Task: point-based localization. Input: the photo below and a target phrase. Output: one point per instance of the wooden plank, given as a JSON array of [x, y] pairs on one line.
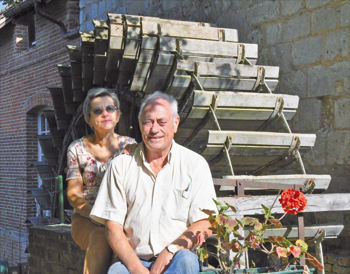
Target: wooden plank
[[57, 135], [76, 72], [315, 203], [115, 47], [321, 181], [260, 138], [216, 59], [217, 83], [291, 232], [87, 59], [207, 48], [131, 50], [234, 70], [244, 99], [175, 22], [50, 152], [160, 72], [238, 113], [197, 32]]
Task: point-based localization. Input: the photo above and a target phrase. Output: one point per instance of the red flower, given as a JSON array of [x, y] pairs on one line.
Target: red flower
[[292, 201]]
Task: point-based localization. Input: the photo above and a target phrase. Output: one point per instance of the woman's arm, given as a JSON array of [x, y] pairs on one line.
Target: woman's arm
[[76, 198]]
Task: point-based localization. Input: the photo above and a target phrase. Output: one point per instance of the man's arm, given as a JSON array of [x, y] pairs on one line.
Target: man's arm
[[187, 240], [120, 245]]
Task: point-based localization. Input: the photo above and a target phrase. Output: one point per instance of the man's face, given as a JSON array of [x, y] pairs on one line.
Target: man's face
[[157, 126]]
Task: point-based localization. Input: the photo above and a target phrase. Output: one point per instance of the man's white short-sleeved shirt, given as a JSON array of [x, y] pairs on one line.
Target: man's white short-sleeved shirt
[[154, 211]]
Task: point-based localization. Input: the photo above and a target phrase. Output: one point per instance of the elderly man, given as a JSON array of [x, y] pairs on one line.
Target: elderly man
[[150, 201]]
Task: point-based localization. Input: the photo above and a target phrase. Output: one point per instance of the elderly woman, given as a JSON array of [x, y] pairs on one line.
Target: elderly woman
[[87, 161]]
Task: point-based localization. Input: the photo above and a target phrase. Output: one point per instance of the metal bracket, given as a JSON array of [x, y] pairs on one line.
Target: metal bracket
[[241, 58], [317, 242], [277, 114], [260, 83], [309, 186], [224, 154], [281, 161], [210, 115]]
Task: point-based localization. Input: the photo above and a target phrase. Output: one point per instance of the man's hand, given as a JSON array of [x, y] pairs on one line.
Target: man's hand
[[162, 262]]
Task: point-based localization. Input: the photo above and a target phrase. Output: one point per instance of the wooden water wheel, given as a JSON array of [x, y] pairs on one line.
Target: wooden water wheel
[[228, 110]]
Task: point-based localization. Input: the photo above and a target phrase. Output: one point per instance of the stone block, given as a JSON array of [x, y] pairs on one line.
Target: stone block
[[82, 3], [305, 119], [297, 26], [291, 7], [58, 269], [110, 6], [328, 268], [311, 4], [338, 149], [272, 33], [89, 26], [222, 6], [330, 260], [255, 36], [94, 10], [345, 14], [329, 80], [342, 113], [327, 116], [336, 43], [167, 5], [90, 1], [316, 156], [307, 51], [340, 269], [102, 8], [294, 83], [344, 261], [324, 19], [263, 11]]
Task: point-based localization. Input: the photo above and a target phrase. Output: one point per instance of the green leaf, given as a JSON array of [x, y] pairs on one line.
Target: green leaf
[[208, 212], [267, 211], [257, 225], [240, 223], [275, 222], [232, 207], [202, 254], [217, 203]]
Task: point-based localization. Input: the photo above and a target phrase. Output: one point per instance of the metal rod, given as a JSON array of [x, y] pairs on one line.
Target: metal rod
[[60, 198], [301, 233]]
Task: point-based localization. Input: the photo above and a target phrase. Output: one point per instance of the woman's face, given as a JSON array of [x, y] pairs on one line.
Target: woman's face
[[107, 120]]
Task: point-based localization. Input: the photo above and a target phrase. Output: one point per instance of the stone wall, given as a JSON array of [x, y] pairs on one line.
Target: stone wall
[[52, 250]]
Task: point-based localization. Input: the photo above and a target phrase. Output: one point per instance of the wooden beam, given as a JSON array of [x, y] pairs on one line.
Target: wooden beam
[[315, 203]]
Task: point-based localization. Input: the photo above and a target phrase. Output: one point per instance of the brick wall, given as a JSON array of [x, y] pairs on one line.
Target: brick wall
[[24, 74]]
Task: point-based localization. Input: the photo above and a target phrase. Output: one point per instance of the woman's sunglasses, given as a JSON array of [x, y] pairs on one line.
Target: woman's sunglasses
[[109, 109]]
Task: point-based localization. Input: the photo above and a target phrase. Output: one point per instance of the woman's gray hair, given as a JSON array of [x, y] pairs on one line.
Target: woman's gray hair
[[98, 92], [160, 95]]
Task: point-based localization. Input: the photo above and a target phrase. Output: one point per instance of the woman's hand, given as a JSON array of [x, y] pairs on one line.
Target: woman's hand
[[130, 148], [76, 198]]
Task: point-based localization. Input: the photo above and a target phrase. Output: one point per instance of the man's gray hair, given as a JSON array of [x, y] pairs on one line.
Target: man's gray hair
[[160, 95], [98, 92]]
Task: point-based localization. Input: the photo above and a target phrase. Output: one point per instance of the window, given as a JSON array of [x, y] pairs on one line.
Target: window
[[43, 129], [25, 31]]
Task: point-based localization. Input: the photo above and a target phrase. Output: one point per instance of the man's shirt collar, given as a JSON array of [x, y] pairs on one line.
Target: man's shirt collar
[[170, 155]]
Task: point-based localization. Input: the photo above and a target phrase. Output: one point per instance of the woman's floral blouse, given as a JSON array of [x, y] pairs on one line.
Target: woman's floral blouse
[[82, 165]]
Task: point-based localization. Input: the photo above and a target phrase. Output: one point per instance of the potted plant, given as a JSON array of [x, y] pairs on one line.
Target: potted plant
[[282, 253]]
